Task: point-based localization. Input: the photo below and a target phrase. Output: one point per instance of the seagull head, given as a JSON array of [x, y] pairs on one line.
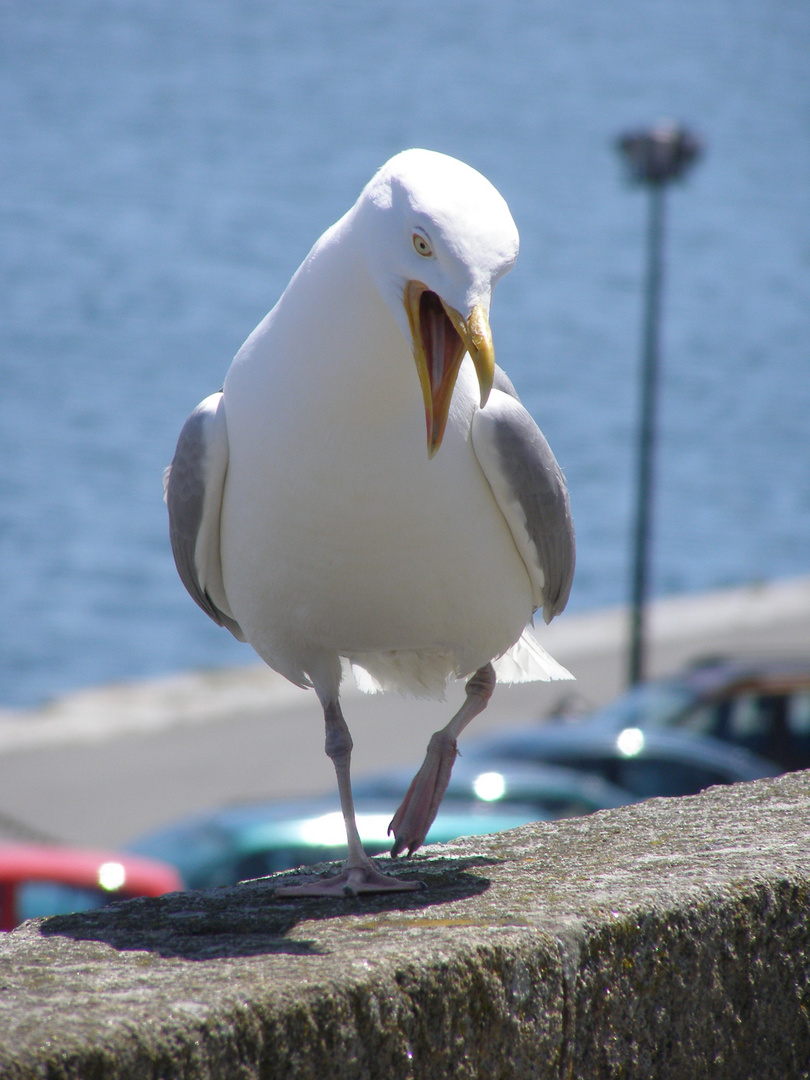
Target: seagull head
[[441, 235]]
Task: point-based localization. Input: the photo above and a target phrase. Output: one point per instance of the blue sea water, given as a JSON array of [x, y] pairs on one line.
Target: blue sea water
[[165, 167]]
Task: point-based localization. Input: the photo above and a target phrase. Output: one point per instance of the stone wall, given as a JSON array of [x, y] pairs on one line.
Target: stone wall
[[667, 939]]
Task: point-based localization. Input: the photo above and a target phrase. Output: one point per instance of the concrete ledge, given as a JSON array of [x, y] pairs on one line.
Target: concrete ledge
[[667, 939]]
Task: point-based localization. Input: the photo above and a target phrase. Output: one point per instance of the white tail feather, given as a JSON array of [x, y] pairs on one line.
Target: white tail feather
[[528, 661]]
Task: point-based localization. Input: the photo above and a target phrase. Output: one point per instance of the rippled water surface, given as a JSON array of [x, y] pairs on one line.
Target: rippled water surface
[[165, 167]]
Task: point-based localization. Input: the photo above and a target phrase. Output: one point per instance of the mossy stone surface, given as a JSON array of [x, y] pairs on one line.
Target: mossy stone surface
[[666, 939]]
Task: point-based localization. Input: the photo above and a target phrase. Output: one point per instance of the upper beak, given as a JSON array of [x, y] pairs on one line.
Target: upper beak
[[441, 336]]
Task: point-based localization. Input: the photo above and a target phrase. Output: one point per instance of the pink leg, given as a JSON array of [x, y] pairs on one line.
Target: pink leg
[[418, 810], [359, 874]]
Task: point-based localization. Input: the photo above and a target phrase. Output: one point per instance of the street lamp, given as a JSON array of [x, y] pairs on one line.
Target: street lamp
[[653, 158]]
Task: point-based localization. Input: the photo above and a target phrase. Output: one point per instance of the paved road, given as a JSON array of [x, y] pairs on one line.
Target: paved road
[[101, 766]]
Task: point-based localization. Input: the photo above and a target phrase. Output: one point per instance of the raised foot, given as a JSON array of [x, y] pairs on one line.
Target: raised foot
[[351, 882], [418, 809]]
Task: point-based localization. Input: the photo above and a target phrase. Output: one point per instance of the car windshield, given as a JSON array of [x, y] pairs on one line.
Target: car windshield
[[647, 705], [39, 899]]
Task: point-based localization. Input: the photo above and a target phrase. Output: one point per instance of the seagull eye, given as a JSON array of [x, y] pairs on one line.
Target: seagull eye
[[421, 246]]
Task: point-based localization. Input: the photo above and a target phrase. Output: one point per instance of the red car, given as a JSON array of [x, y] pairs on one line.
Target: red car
[[38, 880]]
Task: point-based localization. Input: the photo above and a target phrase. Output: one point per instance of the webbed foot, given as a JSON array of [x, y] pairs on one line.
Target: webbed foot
[[351, 881]]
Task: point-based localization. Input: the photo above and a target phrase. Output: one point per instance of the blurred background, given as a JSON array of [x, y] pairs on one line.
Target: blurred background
[[164, 168]]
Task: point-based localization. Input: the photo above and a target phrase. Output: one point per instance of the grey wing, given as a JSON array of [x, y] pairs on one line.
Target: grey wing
[[530, 490], [193, 486]]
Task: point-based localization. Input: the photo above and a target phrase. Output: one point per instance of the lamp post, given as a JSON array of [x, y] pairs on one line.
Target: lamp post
[[654, 158]]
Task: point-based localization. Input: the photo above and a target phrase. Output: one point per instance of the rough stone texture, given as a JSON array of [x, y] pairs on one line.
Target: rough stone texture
[[668, 939]]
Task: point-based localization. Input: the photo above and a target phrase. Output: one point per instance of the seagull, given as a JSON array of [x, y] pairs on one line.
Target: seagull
[[306, 517]]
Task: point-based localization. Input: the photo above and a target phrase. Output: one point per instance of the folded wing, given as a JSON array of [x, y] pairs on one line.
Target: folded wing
[[193, 486], [530, 490]]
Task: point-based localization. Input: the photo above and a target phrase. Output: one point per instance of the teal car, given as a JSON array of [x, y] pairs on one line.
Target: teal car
[[250, 840]]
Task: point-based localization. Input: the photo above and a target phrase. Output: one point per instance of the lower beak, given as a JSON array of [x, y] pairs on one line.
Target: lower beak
[[441, 336]]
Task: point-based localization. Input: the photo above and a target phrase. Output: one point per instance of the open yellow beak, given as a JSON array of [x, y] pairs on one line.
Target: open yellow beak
[[441, 336]]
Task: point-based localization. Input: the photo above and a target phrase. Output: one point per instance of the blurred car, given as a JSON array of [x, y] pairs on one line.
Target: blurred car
[[37, 880], [551, 791], [251, 840], [761, 706], [642, 761]]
